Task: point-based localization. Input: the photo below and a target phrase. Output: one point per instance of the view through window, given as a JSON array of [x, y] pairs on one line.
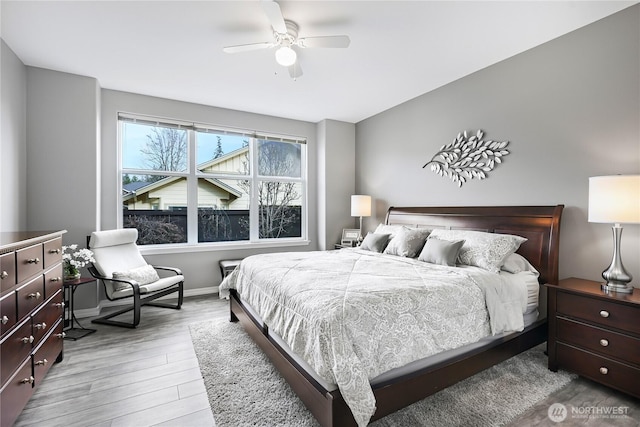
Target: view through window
[[186, 183]]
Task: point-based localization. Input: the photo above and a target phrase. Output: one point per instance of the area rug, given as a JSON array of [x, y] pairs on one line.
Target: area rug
[[245, 389]]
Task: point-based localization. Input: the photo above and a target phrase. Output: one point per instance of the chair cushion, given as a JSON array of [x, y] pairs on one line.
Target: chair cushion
[[143, 275], [163, 283]]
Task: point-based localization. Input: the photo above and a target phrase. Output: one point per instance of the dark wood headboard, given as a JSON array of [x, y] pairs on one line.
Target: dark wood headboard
[[539, 224]]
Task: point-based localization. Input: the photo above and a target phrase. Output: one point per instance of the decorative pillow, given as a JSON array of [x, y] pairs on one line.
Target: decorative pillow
[[484, 250], [375, 242], [443, 252], [516, 263], [143, 275], [407, 242]]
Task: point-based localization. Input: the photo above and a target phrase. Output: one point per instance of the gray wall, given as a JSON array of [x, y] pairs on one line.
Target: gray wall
[[336, 180], [13, 141], [62, 148], [570, 109]]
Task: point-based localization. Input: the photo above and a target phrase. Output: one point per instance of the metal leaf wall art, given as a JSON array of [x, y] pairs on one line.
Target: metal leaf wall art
[[468, 157]]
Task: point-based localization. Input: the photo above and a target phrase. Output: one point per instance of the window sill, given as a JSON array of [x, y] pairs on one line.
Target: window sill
[[214, 247]]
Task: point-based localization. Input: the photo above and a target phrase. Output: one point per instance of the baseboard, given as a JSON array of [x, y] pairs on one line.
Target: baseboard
[[95, 311]]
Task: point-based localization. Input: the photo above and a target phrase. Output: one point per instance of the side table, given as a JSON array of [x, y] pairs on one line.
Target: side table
[[70, 331]]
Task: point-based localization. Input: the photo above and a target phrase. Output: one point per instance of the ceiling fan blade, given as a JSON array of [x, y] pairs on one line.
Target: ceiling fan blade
[[295, 71], [247, 47], [324, 41], [273, 12]]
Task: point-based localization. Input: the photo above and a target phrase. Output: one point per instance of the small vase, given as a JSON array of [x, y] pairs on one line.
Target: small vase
[[69, 276]]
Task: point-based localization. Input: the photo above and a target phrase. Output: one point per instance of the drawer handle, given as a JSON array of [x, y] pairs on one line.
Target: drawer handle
[[59, 305], [54, 251], [604, 342], [36, 295], [29, 380], [55, 279], [62, 335], [604, 371], [40, 325], [4, 275], [604, 313], [5, 320], [33, 261], [28, 340], [42, 362]]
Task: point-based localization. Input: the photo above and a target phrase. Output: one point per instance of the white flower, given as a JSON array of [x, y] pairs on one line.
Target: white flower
[[77, 259]]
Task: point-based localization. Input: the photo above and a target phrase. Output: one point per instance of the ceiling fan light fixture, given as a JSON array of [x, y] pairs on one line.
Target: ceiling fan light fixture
[[286, 56]]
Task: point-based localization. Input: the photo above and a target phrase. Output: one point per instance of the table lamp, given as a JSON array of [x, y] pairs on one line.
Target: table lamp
[[615, 199], [360, 206]]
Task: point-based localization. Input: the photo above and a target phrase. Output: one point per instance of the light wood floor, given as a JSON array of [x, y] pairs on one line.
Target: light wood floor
[[149, 376]]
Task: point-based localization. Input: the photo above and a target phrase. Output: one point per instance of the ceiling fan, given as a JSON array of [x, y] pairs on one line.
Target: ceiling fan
[[285, 35]]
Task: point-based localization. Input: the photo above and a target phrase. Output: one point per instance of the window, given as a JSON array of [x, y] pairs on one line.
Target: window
[[188, 183]]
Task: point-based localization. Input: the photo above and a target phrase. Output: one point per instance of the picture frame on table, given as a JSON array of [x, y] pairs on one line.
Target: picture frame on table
[[350, 237]]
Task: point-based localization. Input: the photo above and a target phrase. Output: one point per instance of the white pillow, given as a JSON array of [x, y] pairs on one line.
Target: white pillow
[[392, 230], [516, 263], [407, 242], [485, 250], [143, 275]]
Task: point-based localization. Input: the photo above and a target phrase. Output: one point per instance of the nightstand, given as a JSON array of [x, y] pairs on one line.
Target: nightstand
[[595, 334]]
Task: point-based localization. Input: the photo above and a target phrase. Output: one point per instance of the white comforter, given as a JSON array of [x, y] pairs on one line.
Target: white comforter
[[354, 314]]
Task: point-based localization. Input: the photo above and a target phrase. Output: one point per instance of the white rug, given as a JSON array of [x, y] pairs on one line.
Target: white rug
[[245, 389]]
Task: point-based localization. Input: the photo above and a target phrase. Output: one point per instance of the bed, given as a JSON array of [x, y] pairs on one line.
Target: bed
[[402, 385]]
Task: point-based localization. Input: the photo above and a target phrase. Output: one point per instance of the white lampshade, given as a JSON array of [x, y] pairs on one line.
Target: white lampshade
[[360, 205], [286, 56], [614, 199]]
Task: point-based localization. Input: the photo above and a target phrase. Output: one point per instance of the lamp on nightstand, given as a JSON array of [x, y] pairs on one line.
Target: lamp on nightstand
[[615, 199], [360, 206]]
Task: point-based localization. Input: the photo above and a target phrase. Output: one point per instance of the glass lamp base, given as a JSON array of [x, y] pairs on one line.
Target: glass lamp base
[[614, 288]]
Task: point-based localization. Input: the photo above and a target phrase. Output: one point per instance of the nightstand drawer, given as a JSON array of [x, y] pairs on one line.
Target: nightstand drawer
[[605, 313], [606, 371], [612, 344]]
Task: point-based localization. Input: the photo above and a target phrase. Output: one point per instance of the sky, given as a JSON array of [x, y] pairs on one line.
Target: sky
[[134, 139]]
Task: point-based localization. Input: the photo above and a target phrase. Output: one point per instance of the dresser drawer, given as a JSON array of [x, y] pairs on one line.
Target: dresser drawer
[[52, 252], [47, 352], [607, 343], [16, 393], [52, 281], [601, 369], [605, 313], [8, 314], [14, 348], [7, 271], [46, 316], [30, 295], [29, 262]]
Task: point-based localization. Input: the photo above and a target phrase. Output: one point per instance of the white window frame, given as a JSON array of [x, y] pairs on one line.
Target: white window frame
[[192, 174]]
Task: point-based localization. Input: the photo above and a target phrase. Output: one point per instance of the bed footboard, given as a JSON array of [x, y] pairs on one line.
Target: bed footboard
[[329, 408]]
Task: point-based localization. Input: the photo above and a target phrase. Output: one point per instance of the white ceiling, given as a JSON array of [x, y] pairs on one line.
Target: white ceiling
[[173, 49]]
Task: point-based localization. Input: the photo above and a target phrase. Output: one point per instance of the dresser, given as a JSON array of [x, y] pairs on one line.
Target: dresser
[[31, 311], [595, 334]]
